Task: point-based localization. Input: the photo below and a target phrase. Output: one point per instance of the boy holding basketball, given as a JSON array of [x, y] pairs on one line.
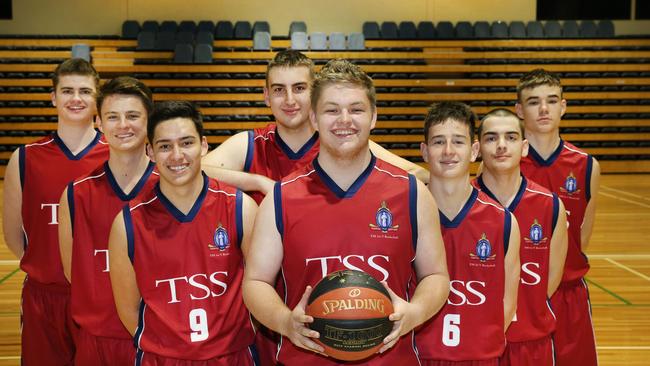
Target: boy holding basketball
[[345, 210], [574, 176], [482, 245], [542, 226], [36, 175]]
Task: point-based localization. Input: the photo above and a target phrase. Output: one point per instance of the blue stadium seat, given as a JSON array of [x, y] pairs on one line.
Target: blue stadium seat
[[150, 26], [389, 30], [205, 26], [482, 29], [517, 29], [204, 36], [146, 41], [165, 40], [243, 30], [223, 30], [371, 30], [606, 29], [356, 41], [407, 30], [130, 29], [183, 53], [261, 26], [588, 29], [445, 30], [426, 30], [318, 41], [299, 41], [464, 30], [297, 26], [534, 29], [570, 29], [261, 41], [81, 50], [337, 41], [552, 29], [499, 29], [185, 37], [187, 26], [168, 26]]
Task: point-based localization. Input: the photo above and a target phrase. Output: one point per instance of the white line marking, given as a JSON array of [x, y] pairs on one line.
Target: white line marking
[[9, 262], [623, 199], [628, 269], [619, 256], [625, 193], [624, 347], [9, 357]]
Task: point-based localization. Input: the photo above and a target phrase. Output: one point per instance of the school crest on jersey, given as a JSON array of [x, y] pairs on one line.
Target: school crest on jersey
[[570, 185], [220, 240], [384, 219], [535, 234], [483, 250]]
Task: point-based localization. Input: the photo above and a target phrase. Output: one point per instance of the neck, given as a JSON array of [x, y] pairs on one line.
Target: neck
[[295, 138], [544, 143], [344, 171], [183, 197], [504, 185], [75, 137], [128, 167], [450, 194]]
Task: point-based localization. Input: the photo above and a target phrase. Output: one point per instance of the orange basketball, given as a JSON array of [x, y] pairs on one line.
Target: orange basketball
[[350, 311]]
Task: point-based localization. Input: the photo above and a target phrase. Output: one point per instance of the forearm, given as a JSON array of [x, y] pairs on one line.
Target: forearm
[[129, 317], [245, 181], [430, 295], [15, 245], [509, 309], [266, 306]]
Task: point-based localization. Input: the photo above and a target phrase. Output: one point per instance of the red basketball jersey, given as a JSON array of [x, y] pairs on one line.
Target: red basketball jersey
[[469, 327], [270, 156], [567, 173], [371, 227], [94, 200], [46, 167], [189, 269], [536, 210]]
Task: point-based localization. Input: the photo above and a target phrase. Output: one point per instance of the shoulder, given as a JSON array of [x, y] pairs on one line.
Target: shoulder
[[390, 171], [264, 133], [42, 143], [485, 202], [221, 188], [533, 188], [94, 176], [300, 175]]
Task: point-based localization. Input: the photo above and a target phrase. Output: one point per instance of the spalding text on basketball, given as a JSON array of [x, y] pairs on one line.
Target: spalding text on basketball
[[332, 306]]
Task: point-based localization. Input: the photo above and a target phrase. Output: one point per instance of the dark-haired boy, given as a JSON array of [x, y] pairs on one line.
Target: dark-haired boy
[[177, 253]]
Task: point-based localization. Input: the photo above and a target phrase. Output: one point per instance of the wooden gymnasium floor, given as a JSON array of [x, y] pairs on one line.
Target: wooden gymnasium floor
[[619, 278]]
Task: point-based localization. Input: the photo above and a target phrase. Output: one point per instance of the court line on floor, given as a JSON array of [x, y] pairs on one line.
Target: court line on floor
[[610, 292], [625, 193], [3, 279], [620, 265], [619, 256], [624, 347], [623, 199]]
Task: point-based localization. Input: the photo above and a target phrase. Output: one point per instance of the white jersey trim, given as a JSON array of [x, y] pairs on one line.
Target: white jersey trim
[[491, 204], [40, 144], [87, 178], [538, 192], [143, 203], [391, 174], [263, 136], [220, 191], [576, 151], [298, 177]]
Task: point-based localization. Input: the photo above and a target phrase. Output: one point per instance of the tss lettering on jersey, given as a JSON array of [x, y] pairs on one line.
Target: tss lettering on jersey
[[54, 208], [466, 293], [105, 252], [353, 262], [201, 285], [529, 276]]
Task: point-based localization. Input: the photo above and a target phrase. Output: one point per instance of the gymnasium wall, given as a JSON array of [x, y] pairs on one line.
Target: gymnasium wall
[[106, 17]]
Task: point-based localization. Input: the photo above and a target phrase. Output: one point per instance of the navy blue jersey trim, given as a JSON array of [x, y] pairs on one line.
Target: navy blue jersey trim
[[83, 152], [507, 224], [556, 211], [128, 227], [277, 201], [249, 151], [413, 210], [134, 192], [140, 328], [463, 212], [239, 216], [301, 152], [551, 159], [590, 166], [139, 354], [70, 196], [196, 207], [358, 183], [21, 165]]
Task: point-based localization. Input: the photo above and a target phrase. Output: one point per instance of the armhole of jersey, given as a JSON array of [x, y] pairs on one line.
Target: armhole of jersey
[[21, 165], [249, 151], [277, 201], [413, 210], [128, 227], [556, 211], [590, 166], [239, 216], [70, 195], [507, 224]]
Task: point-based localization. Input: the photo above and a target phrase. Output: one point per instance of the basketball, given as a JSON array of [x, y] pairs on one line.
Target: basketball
[[350, 311]]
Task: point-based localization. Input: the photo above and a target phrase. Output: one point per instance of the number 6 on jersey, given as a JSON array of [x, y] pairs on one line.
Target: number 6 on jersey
[[451, 330]]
